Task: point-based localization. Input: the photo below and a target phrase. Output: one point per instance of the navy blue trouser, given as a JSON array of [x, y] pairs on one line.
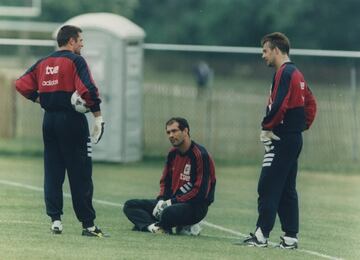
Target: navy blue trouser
[[67, 147], [139, 212], [277, 186]]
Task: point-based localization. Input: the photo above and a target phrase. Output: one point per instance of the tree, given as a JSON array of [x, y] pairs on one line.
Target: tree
[[324, 24], [60, 11], [327, 24]]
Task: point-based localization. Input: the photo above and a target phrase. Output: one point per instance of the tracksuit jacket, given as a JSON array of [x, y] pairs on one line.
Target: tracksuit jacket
[[55, 77], [291, 105], [188, 177]]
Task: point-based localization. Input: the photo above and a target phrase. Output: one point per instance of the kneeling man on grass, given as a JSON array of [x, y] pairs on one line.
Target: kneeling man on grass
[[187, 187]]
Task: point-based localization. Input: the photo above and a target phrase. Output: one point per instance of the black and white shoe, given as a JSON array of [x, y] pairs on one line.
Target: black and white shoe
[[56, 227], [288, 242], [93, 232], [252, 240]]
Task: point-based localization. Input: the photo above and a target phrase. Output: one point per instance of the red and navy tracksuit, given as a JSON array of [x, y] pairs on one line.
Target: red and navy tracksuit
[[67, 145], [291, 110], [188, 180]]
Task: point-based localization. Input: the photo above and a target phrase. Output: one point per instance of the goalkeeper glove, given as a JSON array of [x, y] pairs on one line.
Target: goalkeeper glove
[[98, 129], [156, 210], [159, 208], [266, 138]]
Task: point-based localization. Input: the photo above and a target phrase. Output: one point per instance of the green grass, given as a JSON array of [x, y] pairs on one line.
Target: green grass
[[329, 216]]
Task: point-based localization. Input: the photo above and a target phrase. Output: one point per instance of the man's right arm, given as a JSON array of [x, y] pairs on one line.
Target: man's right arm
[[27, 86], [166, 178], [280, 101]]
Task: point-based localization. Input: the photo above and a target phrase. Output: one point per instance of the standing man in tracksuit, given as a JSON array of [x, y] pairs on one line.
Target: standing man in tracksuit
[[291, 109], [67, 145], [187, 187]]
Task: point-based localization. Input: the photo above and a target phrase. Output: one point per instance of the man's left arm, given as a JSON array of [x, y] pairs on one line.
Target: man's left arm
[[85, 86], [310, 107], [26, 85], [98, 128]]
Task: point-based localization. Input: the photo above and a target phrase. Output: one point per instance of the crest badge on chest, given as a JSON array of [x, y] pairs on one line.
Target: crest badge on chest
[[185, 176]]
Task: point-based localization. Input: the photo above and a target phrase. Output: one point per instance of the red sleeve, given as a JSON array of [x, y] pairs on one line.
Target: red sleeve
[[278, 101], [27, 85], [310, 107], [166, 177], [85, 85]]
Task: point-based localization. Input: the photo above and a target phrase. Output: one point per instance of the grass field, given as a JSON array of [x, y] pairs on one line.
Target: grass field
[[329, 203]]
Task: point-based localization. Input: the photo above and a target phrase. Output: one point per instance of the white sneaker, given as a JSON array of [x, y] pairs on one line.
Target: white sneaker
[[56, 227], [191, 230], [288, 242], [153, 228], [260, 236]]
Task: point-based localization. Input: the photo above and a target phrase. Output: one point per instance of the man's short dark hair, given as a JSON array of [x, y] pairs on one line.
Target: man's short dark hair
[[277, 39], [66, 33], [183, 123]]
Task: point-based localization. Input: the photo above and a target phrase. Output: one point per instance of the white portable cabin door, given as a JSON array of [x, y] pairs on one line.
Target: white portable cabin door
[[103, 53], [134, 113]]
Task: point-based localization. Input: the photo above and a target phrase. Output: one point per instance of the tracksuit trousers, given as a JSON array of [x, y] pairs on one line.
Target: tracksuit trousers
[[67, 148], [139, 212], [277, 186]]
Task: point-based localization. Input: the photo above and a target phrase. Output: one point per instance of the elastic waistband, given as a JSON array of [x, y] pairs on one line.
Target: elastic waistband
[[60, 111]]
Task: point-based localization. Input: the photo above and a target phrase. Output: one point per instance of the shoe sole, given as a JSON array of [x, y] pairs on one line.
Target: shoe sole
[[241, 243], [95, 235], [92, 235], [288, 247], [255, 245]]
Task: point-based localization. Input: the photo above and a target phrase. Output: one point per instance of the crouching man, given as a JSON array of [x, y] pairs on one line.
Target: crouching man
[[187, 187]]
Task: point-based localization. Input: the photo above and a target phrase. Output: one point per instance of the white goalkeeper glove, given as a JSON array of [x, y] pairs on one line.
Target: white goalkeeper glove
[[98, 129], [159, 208], [156, 210], [266, 138]]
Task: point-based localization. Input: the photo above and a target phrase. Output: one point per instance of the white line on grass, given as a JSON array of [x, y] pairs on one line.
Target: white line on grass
[[20, 222], [104, 202]]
